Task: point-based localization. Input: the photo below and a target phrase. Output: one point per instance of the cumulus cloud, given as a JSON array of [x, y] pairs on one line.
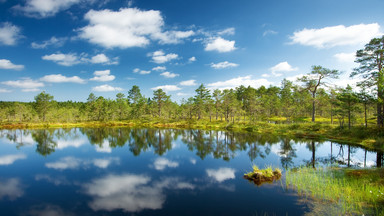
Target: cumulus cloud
[[169, 74], [58, 78], [345, 57], [63, 59], [336, 35], [192, 59], [219, 44], [11, 188], [235, 82], [159, 68], [44, 8], [27, 84], [103, 76], [280, 67], [162, 163], [53, 41], [128, 27], [160, 57], [105, 162], [10, 159], [9, 34], [222, 65], [142, 72], [106, 88], [188, 83], [7, 64], [62, 144], [167, 88], [73, 59], [221, 174]]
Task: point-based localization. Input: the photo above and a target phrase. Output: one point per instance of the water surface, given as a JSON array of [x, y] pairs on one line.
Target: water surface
[[134, 171]]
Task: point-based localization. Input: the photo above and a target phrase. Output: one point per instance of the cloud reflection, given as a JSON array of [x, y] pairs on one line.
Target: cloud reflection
[[130, 192], [75, 163], [104, 148], [221, 174], [162, 163], [11, 188], [10, 159]]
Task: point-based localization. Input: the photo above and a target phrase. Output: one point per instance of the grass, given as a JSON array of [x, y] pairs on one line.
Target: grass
[[352, 191], [259, 176]]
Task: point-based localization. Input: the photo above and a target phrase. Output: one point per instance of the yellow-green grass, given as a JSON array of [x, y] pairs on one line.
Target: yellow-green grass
[[352, 191], [260, 176]]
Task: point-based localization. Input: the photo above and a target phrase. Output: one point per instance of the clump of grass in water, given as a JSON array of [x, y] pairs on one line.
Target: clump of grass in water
[[259, 176], [353, 191]]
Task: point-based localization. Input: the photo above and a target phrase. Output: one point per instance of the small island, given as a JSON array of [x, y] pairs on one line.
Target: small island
[[260, 176]]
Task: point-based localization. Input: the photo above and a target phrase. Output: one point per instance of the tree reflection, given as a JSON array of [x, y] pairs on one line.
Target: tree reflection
[[45, 141]]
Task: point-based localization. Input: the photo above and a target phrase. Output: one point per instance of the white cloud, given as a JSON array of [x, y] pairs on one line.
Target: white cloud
[[269, 32], [162, 163], [336, 35], [7, 64], [10, 159], [128, 27], [103, 59], [9, 34], [103, 76], [235, 82], [11, 188], [192, 59], [4, 90], [104, 147], [56, 181], [169, 74], [228, 31], [27, 85], [58, 78], [222, 65], [159, 68], [221, 45], [193, 161], [221, 174], [65, 163], [167, 88], [182, 94], [345, 57], [142, 72], [280, 67], [172, 37], [159, 57], [63, 59], [45, 8], [106, 88], [53, 41], [130, 192], [188, 83], [73, 59]]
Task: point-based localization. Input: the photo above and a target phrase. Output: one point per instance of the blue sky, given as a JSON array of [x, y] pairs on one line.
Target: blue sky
[[70, 48]]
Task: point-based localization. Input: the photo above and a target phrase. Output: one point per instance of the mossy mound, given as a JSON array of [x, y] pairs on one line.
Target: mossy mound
[[267, 175]]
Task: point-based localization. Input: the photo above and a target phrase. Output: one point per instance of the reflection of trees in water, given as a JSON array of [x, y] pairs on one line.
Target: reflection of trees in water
[[45, 141], [219, 144]]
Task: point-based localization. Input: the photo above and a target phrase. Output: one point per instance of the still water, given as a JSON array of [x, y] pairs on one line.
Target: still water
[[135, 171]]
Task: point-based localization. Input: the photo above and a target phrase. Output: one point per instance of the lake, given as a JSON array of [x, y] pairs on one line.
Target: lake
[[138, 171]]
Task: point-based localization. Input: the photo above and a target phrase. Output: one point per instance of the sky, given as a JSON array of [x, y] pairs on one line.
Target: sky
[[70, 48]]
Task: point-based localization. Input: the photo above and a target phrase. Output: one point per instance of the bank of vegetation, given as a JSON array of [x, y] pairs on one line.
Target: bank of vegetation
[[333, 112]]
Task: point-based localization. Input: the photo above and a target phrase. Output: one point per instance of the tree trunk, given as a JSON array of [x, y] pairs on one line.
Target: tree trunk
[[313, 107]]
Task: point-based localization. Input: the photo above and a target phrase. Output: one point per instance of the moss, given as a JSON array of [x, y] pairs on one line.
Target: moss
[[259, 177]]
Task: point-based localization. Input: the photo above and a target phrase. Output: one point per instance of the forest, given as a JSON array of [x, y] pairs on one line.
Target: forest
[[312, 99]]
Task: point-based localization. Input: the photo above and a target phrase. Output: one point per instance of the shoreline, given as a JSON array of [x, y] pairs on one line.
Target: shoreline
[[369, 138]]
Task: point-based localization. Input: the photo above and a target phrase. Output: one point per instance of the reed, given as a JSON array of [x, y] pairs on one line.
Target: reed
[[352, 191]]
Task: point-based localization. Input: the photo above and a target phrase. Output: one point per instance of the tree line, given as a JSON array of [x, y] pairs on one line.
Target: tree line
[[313, 98]]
